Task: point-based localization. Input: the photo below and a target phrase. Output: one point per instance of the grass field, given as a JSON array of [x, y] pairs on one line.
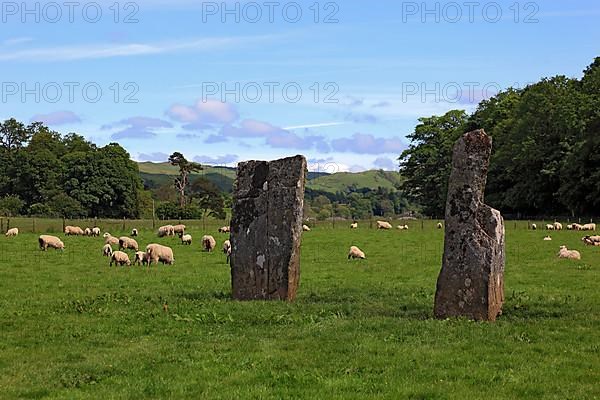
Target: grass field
[[73, 328]]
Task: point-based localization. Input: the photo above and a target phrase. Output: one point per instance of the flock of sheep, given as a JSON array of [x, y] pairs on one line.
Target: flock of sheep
[[155, 253]]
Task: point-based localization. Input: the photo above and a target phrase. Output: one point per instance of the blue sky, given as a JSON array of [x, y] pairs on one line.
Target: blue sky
[[357, 76]]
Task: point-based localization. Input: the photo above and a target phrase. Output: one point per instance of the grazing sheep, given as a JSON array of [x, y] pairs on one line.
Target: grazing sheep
[[224, 229], [440, 226], [141, 258], [46, 241], [227, 250], [577, 227], [547, 238], [178, 229], [87, 232], [569, 254], [534, 227], [107, 250], [157, 252], [185, 239], [120, 258], [591, 240], [128, 243], [73, 230], [208, 243], [95, 231], [383, 225], [549, 227], [355, 252], [570, 227], [403, 227], [305, 228], [167, 230], [12, 232], [134, 232], [111, 239], [354, 225], [558, 226], [228, 256], [588, 227]]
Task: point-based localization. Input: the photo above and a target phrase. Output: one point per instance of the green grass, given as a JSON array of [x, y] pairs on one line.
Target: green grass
[[73, 328], [341, 181]]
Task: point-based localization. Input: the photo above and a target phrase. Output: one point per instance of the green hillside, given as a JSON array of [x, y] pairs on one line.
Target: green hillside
[[158, 174]]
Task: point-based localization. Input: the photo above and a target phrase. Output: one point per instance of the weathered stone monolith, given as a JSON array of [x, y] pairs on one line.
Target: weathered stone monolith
[[266, 228], [471, 282]]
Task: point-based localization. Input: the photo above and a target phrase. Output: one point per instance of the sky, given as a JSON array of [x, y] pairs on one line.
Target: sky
[[342, 83]]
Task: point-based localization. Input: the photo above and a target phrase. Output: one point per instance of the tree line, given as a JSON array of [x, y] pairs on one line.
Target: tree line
[[546, 149]]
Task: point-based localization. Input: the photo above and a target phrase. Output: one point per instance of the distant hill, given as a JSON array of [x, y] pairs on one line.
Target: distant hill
[[157, 174]]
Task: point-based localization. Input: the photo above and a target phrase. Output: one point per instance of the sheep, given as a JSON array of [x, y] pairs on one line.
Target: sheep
[[120, 258], [208, 243], [440, 226], [12, 232], [403, 227], [178, 229], [228, 256], [185, 239], [156, 252], [558, 226], [570, 227], [224, 229], [46, 241], [355, 252], [354, 225], [547, 238], [549, 227], [588, 227], [134, 232], [383, 225], [577, 227], [95, 231], [87, 232], [167, 230], [141, 258], [591, 240], [305, 228], [107, 250], [227, 250], [128, 243], [534, 227], [73, 230], [569, 254], [109, 239]]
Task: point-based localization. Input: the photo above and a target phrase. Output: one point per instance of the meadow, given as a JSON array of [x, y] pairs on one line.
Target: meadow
[[71, 327]]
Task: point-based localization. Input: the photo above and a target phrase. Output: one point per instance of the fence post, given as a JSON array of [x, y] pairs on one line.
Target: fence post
[[64, 224], [33, 225], [1, 224], [123, 224], [7, 223]]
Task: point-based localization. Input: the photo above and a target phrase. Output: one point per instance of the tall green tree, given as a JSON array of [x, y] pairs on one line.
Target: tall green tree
[[185, 169]]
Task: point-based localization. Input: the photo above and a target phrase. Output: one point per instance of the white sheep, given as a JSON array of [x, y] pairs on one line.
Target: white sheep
[[591, 240], [107, 250], [548, 238], [402, 227], [577, 227], [227, 249], [128, 243], [440, 226], [384, 225], [569, 254], [185, 239], [534, 227], [224, 229], [134, 232], [550, 227], [141, 258], [120, 258], [12, 232], [46, 241], [589, 227], [305, 228], [95, 231], [558, 226], [354, 225], [208, 243], [157, 252], [111, 239], [87, 232], [179, 229], [167, 230], [355, 252], [73, 230]]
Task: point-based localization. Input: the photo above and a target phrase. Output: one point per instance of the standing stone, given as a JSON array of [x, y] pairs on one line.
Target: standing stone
[[471, 283], [266, 228]]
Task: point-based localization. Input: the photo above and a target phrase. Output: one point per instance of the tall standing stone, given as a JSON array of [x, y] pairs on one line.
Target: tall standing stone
[[471, 282], [266, 228]]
